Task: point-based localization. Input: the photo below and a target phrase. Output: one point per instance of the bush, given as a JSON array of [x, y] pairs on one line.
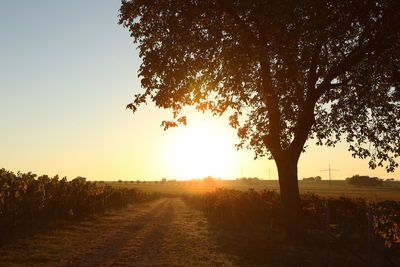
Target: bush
[[348, 216], [316, 178], [25, 198], [358, 180]]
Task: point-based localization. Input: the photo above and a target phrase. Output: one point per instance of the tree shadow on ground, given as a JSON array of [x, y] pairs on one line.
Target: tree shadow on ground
[[253, 245], [11, 234]]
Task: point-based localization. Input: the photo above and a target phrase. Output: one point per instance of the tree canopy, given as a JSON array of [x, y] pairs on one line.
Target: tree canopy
[[286, 71]]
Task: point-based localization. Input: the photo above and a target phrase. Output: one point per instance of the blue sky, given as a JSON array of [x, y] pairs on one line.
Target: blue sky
[[67, 72]]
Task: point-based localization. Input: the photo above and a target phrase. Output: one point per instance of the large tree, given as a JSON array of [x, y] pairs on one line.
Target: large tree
[[286, 71]]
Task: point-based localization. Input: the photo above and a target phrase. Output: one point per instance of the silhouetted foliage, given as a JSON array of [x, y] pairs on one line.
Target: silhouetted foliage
[[25, 198], [249, 180], [210, 180], [316, 178], [348, 216], [364, 181], [285, 72]]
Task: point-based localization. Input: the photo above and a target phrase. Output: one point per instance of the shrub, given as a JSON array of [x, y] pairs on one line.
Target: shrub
[[348, 216], [24, 198], [358, 180]]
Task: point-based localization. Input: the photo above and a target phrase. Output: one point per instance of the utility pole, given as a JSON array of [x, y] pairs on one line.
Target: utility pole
[[269, 173], [329, 170]]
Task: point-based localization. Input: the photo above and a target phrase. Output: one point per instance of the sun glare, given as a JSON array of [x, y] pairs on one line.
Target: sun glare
[[199, 151]]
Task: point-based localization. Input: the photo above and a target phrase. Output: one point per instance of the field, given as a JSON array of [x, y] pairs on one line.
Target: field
[[173, 230], [335, 188]]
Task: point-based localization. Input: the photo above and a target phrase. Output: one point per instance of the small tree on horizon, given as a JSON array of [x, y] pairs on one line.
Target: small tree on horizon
[[285, 72], [364, 180]]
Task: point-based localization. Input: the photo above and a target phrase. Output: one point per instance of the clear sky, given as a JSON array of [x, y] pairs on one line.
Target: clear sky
[[67, 71]]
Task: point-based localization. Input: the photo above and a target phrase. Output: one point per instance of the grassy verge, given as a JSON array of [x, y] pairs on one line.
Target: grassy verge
[[65, 242]]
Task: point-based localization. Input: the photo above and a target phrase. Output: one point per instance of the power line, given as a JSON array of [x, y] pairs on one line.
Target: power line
[[269, 173], [330, 173]]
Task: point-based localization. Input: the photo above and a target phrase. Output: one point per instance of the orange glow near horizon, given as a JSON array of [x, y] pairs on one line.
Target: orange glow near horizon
[[200, 150]]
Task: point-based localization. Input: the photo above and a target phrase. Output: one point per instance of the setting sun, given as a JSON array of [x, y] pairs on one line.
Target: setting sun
[[200, 149]]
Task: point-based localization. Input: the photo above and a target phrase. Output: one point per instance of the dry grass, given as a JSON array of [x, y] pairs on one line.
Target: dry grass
[[166, 232], [65, 242]]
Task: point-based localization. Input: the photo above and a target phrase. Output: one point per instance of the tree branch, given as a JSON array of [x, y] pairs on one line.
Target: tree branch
[[312, 76], [272, 141], [375, 45]]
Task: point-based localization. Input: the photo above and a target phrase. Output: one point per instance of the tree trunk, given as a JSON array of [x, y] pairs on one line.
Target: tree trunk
[[290, 197]]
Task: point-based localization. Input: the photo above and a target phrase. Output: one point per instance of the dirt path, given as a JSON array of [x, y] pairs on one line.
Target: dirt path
[[165, 232]]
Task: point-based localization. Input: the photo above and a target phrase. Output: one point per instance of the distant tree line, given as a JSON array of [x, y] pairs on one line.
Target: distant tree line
[[211, 179], [249, 180], [312, 178], [364, 180]]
